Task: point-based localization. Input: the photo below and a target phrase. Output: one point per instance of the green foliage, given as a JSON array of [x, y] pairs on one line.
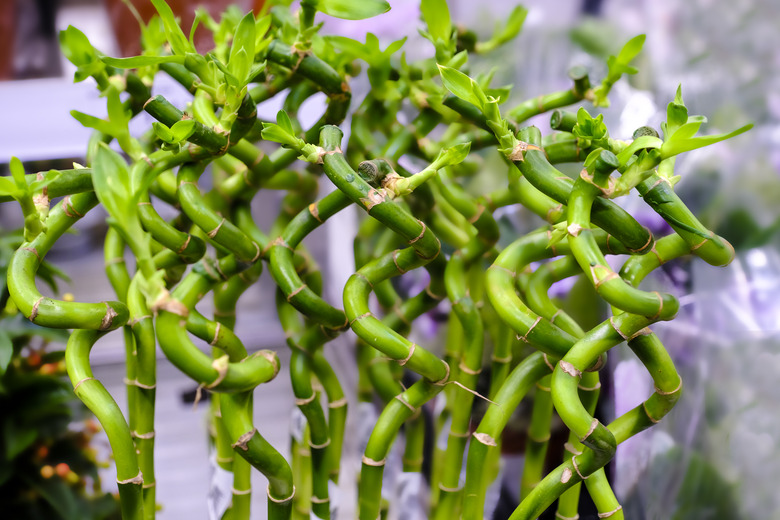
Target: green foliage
[[616, 67], [353, 9], [507, 32], [79, 51]]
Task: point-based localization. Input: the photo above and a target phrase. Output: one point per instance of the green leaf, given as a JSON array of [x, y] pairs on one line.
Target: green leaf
[[437, 17], [242, 53], [140, 61], [101, 125], [117, 113], [500, 94], [18, 437], [50, 177], [112, 183], [676, 114], [179, 42], [451, 156], [283, 120], [76, 47], [183, 129], [675, 146], [462, 86], [646, 141], [17, 171], [631, 49], [353, 9], [8, 187], [163, 132], [6, 351], [514, 25]]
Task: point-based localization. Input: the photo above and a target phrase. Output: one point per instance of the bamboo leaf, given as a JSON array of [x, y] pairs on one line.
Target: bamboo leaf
[[242, 52], [8, 187], [101, 125], [179, 42], [112, 183], [182, 130], [135, 62], [674, 146], [353, 9], [76, 46], [17, 171], [283, 120], [437, 17], [646, 141], [462, 86], [163, 132]]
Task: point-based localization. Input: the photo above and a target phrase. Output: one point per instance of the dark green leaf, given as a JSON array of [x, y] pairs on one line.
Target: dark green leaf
[[18, 437]]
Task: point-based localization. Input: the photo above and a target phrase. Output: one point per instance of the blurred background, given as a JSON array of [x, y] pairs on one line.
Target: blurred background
[[716, 455]]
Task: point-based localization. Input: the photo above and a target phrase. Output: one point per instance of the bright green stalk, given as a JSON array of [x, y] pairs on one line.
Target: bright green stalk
[[541, 104], [99, 401], [606, 282], [49, 312], [530, 160]]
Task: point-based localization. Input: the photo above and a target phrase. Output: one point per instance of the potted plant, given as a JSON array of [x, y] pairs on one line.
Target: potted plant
[[428, 186]]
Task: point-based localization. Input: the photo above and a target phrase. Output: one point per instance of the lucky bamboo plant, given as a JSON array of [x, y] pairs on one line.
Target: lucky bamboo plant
[[430, 221]]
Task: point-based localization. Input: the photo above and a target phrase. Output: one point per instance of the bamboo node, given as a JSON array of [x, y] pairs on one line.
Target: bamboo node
[[244, 440], [371, 462], [34, 311], [137, 480], [292, 294], [398, 267], [315, 212], [70, 212], [649, 242], [185, 244], [575, 517], [592, 428], [524, 338], [465, 369], [577, 468], [617, 329], [405, 360], [450, 489], [306, 400], [149, 485], [221, 366], [319, 446], [647, 412], [338, 403], [443, 380], [484, 438], [317, 500], [77, 385], [543, 388], [216, 334], [146, 436], [505, 359], [35, 252], [108, 318], [241, 491], [590, 388], [422, 232], [279, 500], [670, 392], [373, 197], [406, 403], [213, 232], [547, 362], [574, 229], [571, 449], [610, 513], [570, 369], [518, 153], [566, 475]]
